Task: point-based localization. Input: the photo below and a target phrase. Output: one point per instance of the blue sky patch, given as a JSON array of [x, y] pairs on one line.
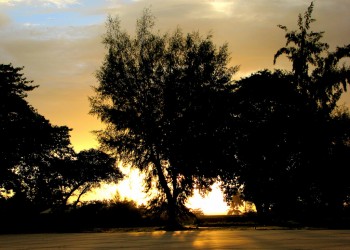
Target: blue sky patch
[[48, 16]]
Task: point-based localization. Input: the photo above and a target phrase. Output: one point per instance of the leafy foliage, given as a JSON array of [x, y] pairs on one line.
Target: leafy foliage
[[27, 138], [269, 114], [87, 170], [163, 98], [293, 137], [316, 71], [37, 162]]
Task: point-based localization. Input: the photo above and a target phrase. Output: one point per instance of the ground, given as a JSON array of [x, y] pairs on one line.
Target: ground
[[214, 238]]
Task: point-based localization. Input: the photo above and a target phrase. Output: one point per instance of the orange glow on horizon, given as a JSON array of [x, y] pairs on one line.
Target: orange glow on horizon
[[131, 188], [211, 204]]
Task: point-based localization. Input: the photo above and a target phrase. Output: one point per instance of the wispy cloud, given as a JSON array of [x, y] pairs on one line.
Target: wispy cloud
[[57, 3], [4, 20], [222, 6], [62, 53]]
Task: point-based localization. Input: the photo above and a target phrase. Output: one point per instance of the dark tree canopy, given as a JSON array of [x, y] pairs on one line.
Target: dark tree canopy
[[316, 70], [25, 134], [163, 98], [319, 76], [88, 169], [268, 107], [292, 136], [37, 162], [276, 138]]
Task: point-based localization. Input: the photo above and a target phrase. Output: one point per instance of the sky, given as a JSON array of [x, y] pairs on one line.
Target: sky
[[59, 42]]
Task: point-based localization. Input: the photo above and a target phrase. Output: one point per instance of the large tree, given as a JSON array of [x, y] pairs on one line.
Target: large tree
[[25, 134], [293, 137], [319, 76], [37, 162], [29, 143], [268, 107], [163, 99], [317, 73]]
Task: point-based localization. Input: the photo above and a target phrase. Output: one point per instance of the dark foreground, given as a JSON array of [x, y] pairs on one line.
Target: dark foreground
[[191, 239]]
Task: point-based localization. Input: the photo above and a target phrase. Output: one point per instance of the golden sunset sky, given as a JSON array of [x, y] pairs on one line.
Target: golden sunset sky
[[59, 42]]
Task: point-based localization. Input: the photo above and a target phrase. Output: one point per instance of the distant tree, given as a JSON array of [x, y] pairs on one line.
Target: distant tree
[[236, 204], [89, 169], [52, 182], [197, 212], [239, 206], [108, 214], [164, 100]]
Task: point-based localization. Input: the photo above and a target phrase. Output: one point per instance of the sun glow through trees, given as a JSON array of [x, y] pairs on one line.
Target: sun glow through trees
[[131, 188]]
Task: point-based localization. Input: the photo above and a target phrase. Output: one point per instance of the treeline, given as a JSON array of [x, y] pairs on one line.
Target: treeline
[[39, 170], [278, 138]]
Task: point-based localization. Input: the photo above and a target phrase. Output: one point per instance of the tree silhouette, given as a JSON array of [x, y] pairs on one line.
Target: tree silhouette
[[319, 76], [316, 70], [163, 98], [37, 162], [25, 134], [269, 109], [87, 170], [292, 135], [13, 88]]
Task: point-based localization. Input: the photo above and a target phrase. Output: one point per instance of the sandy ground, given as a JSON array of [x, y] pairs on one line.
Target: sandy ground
[[196, 239]]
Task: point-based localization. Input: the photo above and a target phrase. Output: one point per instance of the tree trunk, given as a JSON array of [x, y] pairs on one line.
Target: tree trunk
[[172, 217], [172, 223], [86, 188]]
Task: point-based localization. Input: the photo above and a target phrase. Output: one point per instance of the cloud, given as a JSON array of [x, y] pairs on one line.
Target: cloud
[[63, 55], [62, 62], [57, 3], [4, 20], [224, 7]]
